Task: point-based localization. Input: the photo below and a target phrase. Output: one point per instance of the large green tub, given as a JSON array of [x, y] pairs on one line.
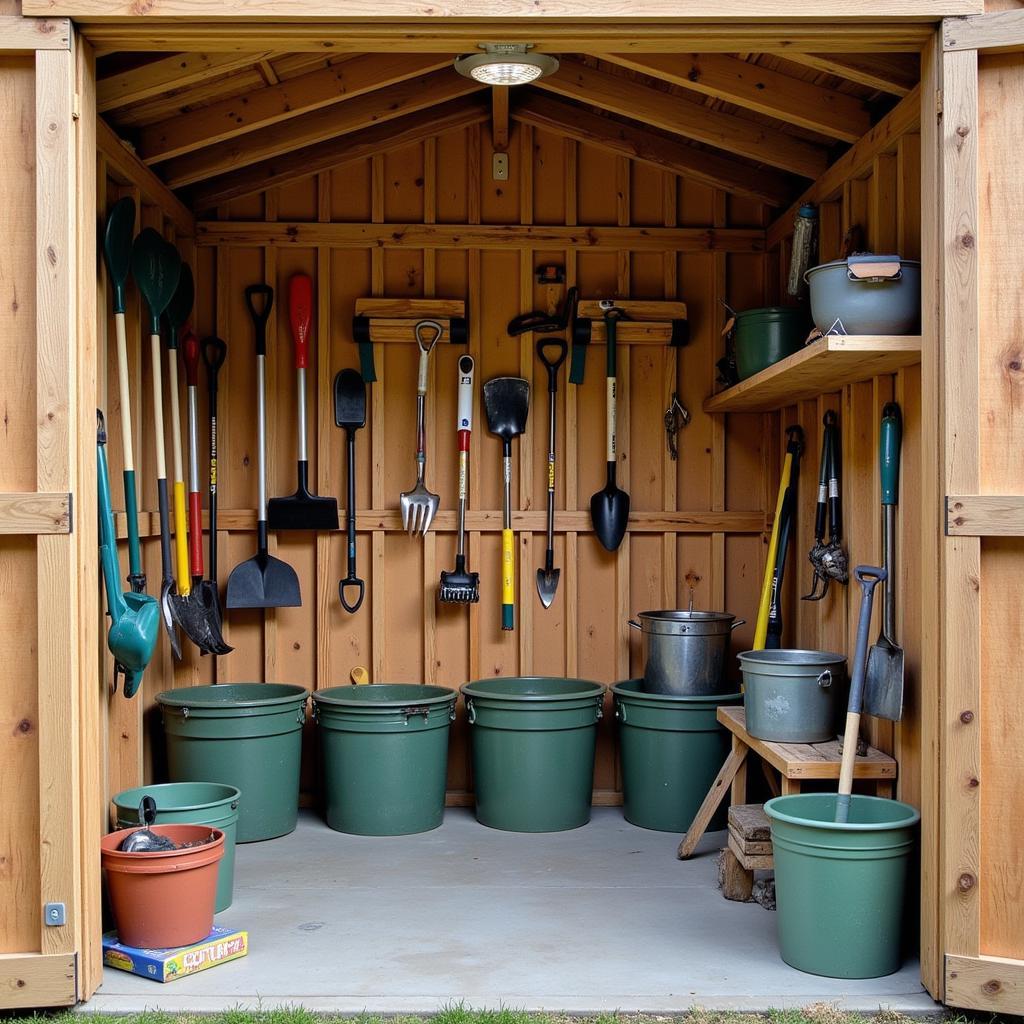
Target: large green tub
[[191, 803], [672, 747], [247, 735], [533, 751], [384, 756], [841, 888]]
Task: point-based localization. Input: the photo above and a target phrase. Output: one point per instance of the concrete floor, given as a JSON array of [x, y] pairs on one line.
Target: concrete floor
[[601, 918]]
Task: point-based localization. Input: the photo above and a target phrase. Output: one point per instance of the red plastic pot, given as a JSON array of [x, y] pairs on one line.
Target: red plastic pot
[[166, 898]]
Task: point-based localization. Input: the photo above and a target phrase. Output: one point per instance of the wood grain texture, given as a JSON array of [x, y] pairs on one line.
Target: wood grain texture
[[35, 513], [28, 981], [985, 983], [993, 32], [27, 35]]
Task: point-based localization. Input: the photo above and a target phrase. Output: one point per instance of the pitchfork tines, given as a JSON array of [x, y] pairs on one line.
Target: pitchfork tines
[[420, 505]]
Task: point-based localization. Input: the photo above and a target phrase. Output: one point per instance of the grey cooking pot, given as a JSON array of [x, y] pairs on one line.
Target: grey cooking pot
[[684, 651], [866, 294]]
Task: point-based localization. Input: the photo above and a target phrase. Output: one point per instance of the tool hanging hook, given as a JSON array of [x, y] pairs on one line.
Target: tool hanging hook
[[677, 416]]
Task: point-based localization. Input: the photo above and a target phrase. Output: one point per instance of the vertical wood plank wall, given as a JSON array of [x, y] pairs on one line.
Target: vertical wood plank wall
[[707, 524]]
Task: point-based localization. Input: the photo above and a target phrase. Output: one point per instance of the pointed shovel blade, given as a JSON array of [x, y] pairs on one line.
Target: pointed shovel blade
[[547, 584], [609, 512]]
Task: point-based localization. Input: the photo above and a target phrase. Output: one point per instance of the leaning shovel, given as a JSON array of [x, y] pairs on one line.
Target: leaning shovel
[[883, 689]]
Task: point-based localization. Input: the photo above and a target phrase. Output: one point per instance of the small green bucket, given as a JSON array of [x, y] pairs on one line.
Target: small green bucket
[[841, 888], [247, 735], [533, 751], [766, 336], [384, 756], [191, 803], [672, 748]]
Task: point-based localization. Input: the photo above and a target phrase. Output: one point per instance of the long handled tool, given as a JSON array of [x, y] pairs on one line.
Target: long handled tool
[[460, 586], [773, 637], [134, 617], [547, 578], [302, 510], [507, 405], [419, 506], [609, 507], [350, 413], [779, 539], [262, 581], [202, 600], [155, 267], [868, 577], [117, 252], [883, 691], [215, 351], [828, 560]]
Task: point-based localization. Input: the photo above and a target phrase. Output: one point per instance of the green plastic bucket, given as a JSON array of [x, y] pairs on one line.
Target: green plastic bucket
[[533, 751], [765, 336], [384, 756], [247, 735], [671, 750], [840, 888], [191, 803]]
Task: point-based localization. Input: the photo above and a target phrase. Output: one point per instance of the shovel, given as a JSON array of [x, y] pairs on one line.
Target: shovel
[[262, 581], [134, 617], [547, 578], [117, 252], [868, 577], [609, 507], [156, 267], [883, 690], [507, 404], [350, 413], [302, 510]]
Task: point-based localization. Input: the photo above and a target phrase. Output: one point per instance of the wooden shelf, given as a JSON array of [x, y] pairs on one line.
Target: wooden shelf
[[826, 365]]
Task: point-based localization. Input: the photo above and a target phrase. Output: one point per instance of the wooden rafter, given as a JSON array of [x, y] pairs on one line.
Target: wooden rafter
[[499, 117], [309, 129], [274, 104], [635, 142], [620, 95], [160, 76], [379, 138], [756, 88], [888, 72]]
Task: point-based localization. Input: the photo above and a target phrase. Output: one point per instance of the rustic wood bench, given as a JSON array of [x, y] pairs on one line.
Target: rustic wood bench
[[794, 762]]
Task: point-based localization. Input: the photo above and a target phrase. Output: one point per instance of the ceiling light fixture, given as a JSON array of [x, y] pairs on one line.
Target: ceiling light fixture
[[506, 64]]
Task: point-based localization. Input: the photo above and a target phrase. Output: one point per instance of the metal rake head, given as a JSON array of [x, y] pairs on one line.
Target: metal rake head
[[418, 509]]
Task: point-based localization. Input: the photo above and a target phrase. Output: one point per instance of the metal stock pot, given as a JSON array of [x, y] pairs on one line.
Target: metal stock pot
[[684, 651]]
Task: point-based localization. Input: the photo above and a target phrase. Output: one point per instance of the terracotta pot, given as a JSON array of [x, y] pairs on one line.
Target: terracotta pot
[[164, 899]]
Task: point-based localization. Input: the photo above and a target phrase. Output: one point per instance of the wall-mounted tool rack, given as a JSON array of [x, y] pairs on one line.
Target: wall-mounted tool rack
[[647, 322], [394, 320]]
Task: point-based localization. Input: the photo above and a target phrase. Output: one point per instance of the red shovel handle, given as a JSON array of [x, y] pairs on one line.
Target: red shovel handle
[[190, 354], [300, 312]]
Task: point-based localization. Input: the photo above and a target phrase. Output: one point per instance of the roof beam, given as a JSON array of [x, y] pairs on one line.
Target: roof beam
[[319, 126], [620, 95], [379, 138], [755, 88], [635, 142], [274, 104], [887, 72], [160, 76]]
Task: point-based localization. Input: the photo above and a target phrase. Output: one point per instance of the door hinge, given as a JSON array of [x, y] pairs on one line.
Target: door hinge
[[76, 107], [938, 103], [71, 512]]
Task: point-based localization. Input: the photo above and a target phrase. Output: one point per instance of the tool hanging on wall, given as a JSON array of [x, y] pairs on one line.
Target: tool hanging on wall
[[302, 510], [883, 689], [117, 252], [134, 617], [609, 507], [507, 405], [545, 323], [350, 414], [728, 374], [828, 559], [677, 416], [774, 564], [460, 586], [156, 266], [262, 581], [420, 505], [215, 351], [547, 578]]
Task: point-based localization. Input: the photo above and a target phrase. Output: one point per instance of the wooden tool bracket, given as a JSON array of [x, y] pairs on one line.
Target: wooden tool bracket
[[379, 320], [646, 323]]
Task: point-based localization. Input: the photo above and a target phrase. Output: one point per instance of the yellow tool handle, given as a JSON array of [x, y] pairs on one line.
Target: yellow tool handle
[[183, 579], [508, 574], [761, 630]]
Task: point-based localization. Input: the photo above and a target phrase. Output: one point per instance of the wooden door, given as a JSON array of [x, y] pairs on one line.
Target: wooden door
[[974, 857], [49, 862]]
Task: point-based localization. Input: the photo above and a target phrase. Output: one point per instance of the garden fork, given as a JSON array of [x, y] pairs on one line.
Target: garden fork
[[419, 505]]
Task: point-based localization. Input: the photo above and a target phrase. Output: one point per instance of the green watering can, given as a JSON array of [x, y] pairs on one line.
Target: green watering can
[[134, 618]]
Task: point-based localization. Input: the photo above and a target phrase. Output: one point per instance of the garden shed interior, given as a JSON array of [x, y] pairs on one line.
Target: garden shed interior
[[664, 161]]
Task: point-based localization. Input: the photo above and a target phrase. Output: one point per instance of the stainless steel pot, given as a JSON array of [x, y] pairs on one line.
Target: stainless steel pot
[[684, 651]]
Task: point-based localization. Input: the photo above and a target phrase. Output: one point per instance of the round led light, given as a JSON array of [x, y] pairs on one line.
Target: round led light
[[506, 64]]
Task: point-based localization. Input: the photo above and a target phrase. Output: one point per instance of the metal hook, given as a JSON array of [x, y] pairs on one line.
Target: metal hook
[[677, 416]]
